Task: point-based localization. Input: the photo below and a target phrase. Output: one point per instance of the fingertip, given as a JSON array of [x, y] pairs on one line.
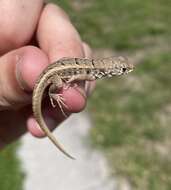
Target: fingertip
[[87, 50], [75, 99], [54, 8], [34, 128], [48, 117], [57, 36]]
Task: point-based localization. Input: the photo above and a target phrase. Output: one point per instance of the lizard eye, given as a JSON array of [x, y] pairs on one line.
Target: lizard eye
[[123, 70]]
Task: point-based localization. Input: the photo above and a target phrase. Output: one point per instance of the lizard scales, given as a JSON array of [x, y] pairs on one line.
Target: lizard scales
[[67, 70]]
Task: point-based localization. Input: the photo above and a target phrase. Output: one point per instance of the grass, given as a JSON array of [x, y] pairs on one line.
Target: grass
[[134, 129], [122, 25], [10, 174]]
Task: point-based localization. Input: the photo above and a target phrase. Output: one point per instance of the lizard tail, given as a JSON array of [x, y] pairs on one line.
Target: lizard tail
[[53, 139], [39, 118]]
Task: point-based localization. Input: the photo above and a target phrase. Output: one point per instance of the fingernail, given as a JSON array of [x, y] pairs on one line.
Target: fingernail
[[89, 87], [81, 89], [19, 63]]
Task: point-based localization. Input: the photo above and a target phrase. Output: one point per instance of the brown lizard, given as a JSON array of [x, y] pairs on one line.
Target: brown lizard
[[68, 70]]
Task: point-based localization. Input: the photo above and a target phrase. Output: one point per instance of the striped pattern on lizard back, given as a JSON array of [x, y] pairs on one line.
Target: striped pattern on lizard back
[[67, 70]]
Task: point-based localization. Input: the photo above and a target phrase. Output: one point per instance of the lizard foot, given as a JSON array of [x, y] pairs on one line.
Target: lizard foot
[[57, 98]]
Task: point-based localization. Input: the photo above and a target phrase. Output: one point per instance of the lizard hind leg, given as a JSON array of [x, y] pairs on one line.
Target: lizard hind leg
[[57, 98]]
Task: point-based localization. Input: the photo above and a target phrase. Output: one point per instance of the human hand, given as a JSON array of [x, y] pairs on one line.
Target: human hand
[[32, 36]]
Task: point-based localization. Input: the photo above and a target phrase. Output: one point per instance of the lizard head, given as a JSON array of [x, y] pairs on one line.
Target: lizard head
[[123, 64], [117, 66]]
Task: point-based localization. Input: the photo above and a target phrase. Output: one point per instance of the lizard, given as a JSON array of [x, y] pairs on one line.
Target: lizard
[[66, 71]]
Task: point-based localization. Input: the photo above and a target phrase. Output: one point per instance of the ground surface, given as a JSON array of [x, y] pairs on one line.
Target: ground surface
[[47, 168]]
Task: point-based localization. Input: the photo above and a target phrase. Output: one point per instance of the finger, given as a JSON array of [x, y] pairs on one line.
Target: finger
[[18, 22], [51, 120], [58, 38], [17, 73], [87, 50]]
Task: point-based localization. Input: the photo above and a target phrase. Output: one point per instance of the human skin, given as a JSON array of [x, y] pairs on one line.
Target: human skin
[[32, 36]]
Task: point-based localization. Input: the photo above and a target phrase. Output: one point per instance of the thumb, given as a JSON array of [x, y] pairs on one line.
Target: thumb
[[17, 76]]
